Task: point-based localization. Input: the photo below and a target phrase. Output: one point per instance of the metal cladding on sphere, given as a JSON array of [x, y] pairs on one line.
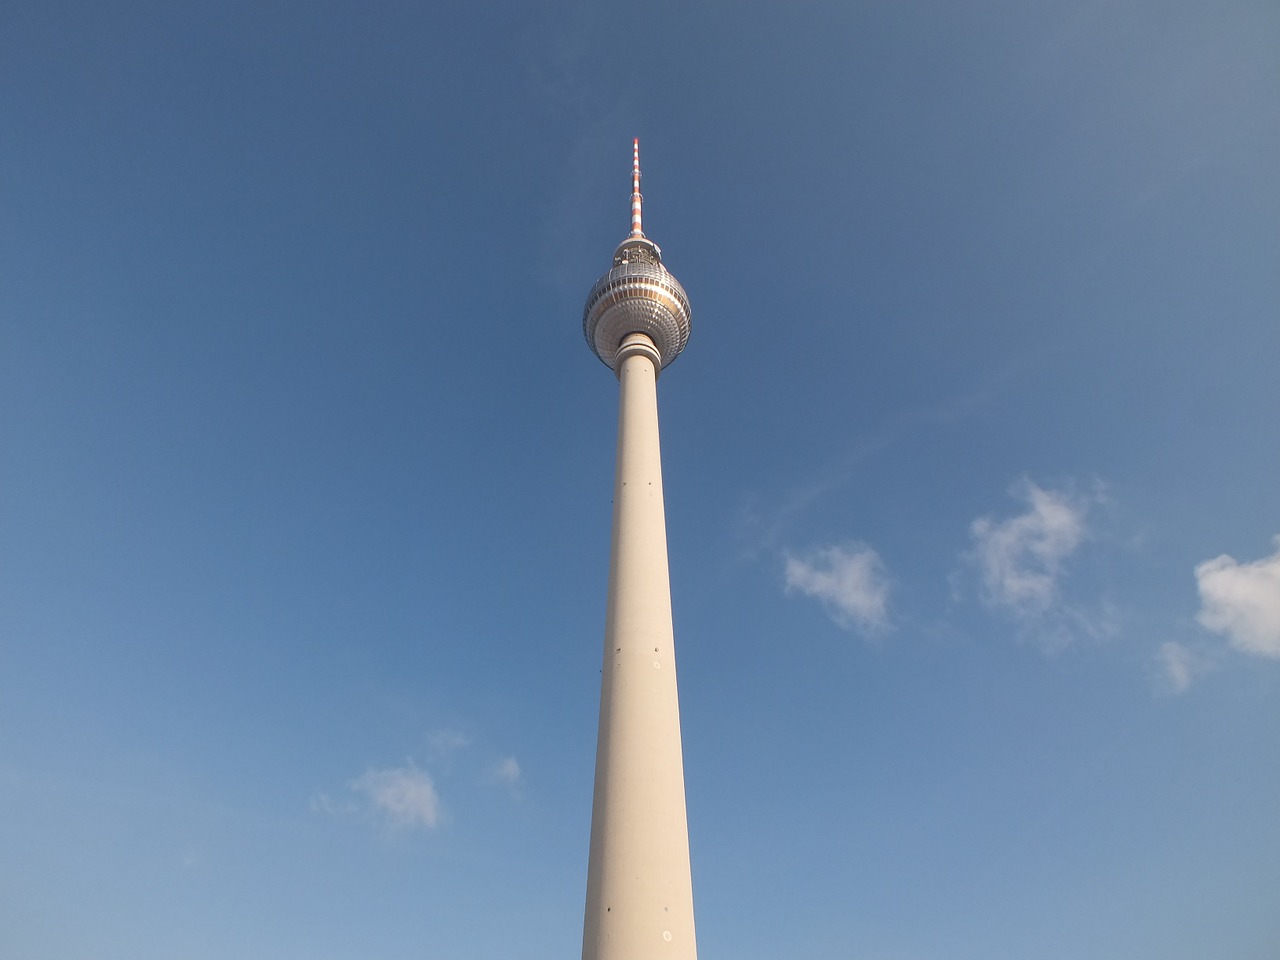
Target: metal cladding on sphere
[[638, 295]]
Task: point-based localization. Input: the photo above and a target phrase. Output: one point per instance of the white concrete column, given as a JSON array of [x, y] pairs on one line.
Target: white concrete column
[[639, 891]]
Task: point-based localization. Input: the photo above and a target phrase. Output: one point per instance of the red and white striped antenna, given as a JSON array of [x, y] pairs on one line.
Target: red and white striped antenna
[[636, 199]]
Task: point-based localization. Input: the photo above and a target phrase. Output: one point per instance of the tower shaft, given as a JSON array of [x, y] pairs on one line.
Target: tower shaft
[[639, 889]]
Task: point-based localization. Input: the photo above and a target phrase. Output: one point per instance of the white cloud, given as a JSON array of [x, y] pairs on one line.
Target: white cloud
[[405, 796], [323, 803], [1178, 666], [1242, 601], [447, 740], [850, 581], [506, 772], [1020, 560]]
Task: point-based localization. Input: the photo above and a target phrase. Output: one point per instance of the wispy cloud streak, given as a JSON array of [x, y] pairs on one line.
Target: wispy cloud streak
[[763, 527]]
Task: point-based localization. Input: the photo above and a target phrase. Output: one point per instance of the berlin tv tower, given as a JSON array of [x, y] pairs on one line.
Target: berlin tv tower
[[639, 890]]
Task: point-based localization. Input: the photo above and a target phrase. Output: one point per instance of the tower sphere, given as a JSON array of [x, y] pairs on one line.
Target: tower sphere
[[638, 295]]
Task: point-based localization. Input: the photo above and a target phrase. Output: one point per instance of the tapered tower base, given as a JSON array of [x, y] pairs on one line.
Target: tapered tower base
[[639, 890]]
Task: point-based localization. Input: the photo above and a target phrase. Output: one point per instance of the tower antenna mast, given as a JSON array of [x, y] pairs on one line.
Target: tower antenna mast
[[636, 199]]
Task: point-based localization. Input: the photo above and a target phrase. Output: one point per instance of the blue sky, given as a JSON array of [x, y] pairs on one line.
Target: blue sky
[[971, 470]]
